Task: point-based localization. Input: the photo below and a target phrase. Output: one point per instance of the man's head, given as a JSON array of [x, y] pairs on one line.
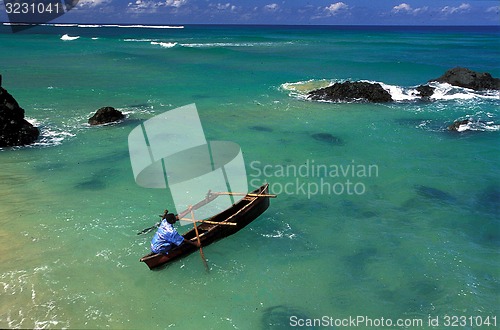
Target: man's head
[[171, 218]]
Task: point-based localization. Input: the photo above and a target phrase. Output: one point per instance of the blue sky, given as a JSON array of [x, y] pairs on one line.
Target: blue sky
[[317, 12]]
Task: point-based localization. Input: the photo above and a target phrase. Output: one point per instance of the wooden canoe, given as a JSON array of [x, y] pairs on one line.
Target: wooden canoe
[[241, 213]]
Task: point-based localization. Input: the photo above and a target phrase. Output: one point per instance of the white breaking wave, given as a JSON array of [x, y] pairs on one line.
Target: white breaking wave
[[88, 25], [399, 93], [478, 125], [67, 37], [147, 26], [16, 24], [137, 26], [49, 136], [98, 25], [231, 44], [138, 40], [155, 42], [442, 91], [445, 91], [60, 25], [164, 44]]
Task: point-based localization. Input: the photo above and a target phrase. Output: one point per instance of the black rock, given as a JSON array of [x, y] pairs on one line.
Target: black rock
[[351, 91], [456, 125], [425, 91], [466, 78], [106, 115], [14, 129]]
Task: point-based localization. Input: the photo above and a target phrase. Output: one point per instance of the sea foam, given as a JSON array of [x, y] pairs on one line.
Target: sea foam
[[164, 44], [67, 37]]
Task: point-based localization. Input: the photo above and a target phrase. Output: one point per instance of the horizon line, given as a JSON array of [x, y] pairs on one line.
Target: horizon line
[[7, 23]]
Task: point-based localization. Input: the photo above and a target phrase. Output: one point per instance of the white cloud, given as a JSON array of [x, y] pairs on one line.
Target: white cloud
[[92, 3], [494, 9], [224, 6], [404, 7], [271, 7], [464, 7], [175, 3], [151, 6], [407, 9], [336, 8], [144, 6]]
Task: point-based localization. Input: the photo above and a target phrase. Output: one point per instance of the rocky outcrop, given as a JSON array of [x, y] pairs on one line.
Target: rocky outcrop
[[425, 91], [463, 77], [14, 129], [351, 91], [106, 115]]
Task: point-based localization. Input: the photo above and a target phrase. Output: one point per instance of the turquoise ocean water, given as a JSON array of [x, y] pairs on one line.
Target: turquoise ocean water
[[410, 230]]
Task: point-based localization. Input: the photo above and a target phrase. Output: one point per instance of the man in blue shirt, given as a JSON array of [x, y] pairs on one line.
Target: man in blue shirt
[[166, 237]]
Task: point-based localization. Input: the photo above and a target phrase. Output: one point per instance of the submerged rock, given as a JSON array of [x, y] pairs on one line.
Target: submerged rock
[[328, 138], [106, 115], [261, 128], [351, 91], [467, 78], [434, 194], [14, 129], [489, 201], [279, 317]]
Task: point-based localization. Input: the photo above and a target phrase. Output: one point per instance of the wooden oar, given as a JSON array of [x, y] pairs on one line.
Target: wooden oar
[[199, 242], [210, 222], [147, 230], [245, 194]]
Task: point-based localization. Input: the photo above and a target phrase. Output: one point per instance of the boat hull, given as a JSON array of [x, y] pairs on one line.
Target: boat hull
[[241, 213]]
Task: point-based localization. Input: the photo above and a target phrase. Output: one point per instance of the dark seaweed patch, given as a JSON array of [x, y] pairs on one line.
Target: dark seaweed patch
[[261, 128], [489, 200], [278, 317], [91, 184], [356, 263], [420, 296], [433, 193], [328, 138], [351, 209], [485, 231]]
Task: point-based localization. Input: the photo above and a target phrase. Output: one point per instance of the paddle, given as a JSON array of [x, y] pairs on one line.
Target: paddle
[[244, 194], [199, 242], [147, 230], [210, 222]]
